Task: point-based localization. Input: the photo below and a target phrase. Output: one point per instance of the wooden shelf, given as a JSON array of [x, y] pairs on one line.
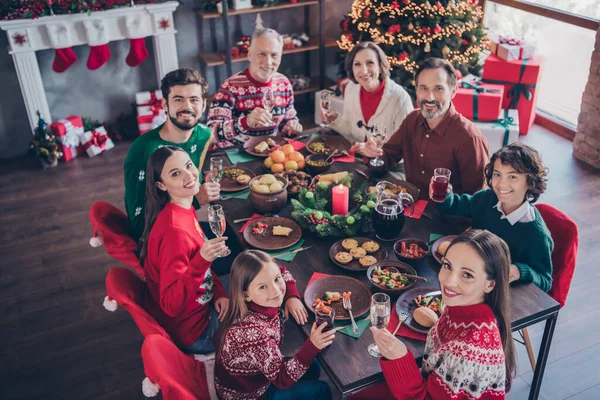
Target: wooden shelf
[[256, 9], [214, 58]]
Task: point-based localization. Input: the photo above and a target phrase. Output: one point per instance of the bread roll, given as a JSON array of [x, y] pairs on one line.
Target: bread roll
[[425, 317], [442, 248]]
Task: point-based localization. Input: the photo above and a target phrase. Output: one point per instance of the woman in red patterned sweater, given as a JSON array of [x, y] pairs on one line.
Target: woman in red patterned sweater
[[249, 363], [469, 353], [186, 298]]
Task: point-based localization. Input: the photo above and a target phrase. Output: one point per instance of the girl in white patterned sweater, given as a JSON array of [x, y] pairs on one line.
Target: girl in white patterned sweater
[[249, 363], [469, 353]]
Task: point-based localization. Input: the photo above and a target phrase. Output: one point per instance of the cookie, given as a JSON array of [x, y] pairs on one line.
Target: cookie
[[367, 261], [358, 252], [343, 257], [370, 246], [243, 179], [349, 244]]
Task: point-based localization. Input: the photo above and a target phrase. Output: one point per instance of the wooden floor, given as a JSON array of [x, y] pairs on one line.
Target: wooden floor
[[58, 342]]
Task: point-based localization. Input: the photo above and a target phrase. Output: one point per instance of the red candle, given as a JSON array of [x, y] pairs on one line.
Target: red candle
[[339, 200]]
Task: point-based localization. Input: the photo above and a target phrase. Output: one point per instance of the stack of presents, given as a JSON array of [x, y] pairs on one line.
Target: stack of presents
[[75, 141], [502, 102]]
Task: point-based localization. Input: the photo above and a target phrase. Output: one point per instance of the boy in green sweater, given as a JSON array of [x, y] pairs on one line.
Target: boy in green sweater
[[516, 178]]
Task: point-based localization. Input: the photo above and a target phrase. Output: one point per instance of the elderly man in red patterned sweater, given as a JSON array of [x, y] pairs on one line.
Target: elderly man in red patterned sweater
[[237, 110]]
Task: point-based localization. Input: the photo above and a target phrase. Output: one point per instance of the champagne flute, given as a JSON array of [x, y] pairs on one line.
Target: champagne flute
[[325, 102], [380, 317], [379, 136], [216, 169], [216, 220], [269, 101]]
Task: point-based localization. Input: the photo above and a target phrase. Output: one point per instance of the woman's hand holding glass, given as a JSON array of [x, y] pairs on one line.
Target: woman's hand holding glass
[[214, 248], [389, 346]]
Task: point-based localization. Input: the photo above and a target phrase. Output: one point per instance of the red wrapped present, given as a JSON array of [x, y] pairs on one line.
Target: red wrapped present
[[150, 111], [97, 141], [520, 79], [511, 49], [479, 101], [70, 133]]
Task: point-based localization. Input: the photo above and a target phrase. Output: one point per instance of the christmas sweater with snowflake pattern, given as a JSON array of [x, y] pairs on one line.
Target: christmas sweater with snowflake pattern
[[463, 360], [179, 279], [251, 359], [235, 100], [135, 169]]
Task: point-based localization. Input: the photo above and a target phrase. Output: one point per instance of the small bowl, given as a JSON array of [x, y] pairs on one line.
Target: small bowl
[[412, 261], [401, 267], [318, 157]]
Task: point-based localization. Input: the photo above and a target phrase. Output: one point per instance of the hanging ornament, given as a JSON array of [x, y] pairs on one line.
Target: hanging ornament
[[378, 22], [394, 29], [438, 5], [427, 4], [445, 51], [427, 48], [474, 39], [457, 33], [366, 13], [437, 29], [402, 56], [395, 4], [405, 1], [410, 26], [465, 42]]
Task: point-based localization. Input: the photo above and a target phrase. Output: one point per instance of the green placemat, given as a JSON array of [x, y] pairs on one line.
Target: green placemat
[[288, 256], [362, 326], [239, 156], [242, 194], [435, 236]]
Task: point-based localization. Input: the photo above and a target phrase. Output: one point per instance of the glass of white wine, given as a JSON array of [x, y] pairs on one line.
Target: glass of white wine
[[379, 136], [216, 220], [216, 169], [268, 100], [380, 317], [325, 107]]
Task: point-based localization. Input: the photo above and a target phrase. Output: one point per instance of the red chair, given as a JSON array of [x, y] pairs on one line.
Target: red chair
[[124, 288], [179, 376], [111, 228], [565, 235]]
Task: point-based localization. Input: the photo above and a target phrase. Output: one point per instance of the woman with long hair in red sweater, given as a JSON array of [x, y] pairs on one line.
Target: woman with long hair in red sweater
[[186, 298], [469, 353]]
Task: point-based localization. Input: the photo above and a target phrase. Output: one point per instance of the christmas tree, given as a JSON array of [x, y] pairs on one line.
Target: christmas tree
[[410, 31]]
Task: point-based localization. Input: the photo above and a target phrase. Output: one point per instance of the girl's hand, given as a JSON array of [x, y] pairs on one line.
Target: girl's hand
[[319, 338], [222, 305], [295, 307], [389, 346], [514, 274], [213, 248]]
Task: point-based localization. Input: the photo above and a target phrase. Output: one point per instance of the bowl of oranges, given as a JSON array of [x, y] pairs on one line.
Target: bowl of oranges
[[283, 159]]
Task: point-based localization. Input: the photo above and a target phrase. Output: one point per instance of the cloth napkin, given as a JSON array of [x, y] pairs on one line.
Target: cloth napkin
[[288, 256], [298, 145], [242, 194], [420, 206], [350, 158], [403, 331], [239, 156], [251, 220], [435, 236], [362, 324]]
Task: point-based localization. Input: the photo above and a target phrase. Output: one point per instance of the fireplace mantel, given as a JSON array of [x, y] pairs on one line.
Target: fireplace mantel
[[27, 36]]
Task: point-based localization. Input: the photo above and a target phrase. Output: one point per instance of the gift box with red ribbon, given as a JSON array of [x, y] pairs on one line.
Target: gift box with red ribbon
[[511, 49], [501, 132], [97, 141], [520, 80], [478, 101], [70, 133], [149, 110]]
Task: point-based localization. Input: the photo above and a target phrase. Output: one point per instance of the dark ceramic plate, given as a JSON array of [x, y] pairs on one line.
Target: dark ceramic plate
[[254, 141], [406, 303], [268, 241], [330, 142], [436, 244], [361, 295], [355, 265], [401, 267], [231, 185], [408, 187]]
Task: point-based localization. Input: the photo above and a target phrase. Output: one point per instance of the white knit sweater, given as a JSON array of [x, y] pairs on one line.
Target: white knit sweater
[[393, 108]]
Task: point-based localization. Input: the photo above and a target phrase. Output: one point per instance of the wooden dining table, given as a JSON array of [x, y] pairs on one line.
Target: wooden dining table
[[347, 360]]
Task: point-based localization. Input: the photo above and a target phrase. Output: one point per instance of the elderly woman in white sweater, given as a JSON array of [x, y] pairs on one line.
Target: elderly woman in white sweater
[[371, 99]]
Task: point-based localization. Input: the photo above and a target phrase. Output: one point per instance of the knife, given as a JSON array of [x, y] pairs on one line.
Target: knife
[[291, 251]]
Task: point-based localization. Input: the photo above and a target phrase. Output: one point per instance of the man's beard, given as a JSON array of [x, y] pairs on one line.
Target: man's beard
[[184, 126], [431, 114]]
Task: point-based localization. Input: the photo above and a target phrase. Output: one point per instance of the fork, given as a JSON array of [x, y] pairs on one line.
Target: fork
[[402, 315], [348, 307]]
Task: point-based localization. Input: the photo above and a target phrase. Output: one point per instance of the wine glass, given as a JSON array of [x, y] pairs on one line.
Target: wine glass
[[268, 100], [216, 169], [325, 107], [380, 317], [216, 220], [379, 136]]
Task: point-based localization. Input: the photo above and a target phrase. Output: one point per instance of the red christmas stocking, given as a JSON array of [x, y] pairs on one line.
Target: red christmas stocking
[[137, 52], [98, 56], [63, 59]]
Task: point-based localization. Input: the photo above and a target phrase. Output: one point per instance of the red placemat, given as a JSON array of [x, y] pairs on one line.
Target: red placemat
[[347, 159], [252, 219], [315, 276], [298, 145], [420, 206], [403, 331]]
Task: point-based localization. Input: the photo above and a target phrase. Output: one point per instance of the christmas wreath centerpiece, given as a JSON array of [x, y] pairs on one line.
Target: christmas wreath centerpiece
[[312, 210]]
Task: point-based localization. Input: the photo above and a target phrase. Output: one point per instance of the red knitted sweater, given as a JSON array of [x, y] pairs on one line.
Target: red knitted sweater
[[251, 359], [463, 360]]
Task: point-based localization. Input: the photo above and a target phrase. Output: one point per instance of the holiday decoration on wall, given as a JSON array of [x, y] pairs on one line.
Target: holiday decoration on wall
[[409, 31]]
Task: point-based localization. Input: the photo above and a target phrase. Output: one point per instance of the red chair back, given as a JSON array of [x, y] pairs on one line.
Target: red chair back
[[113, 226], [130, 292], [179, 376], [565, 235]]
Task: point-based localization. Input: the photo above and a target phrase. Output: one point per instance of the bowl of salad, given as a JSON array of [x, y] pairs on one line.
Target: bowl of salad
[[390, 277]]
